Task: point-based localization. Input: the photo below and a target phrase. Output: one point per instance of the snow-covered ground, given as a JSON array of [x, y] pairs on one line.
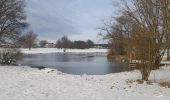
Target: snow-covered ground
[[55, 50], [25, 83]]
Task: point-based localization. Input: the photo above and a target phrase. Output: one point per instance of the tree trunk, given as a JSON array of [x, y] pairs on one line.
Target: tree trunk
[[168, 55], [145, 71], [145, 74], [29, 47], [157, 63]]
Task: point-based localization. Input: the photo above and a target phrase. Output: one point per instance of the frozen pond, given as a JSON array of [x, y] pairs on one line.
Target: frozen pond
[[77, 64]]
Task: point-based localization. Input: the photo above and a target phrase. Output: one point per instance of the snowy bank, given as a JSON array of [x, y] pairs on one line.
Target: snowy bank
[[55, 50], [25, 83]]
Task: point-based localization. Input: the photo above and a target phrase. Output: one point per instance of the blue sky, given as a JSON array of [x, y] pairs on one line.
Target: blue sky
[[78, 19]]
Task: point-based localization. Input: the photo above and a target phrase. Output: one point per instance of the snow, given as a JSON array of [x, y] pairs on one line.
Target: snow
[[25, 83], [55, 50]]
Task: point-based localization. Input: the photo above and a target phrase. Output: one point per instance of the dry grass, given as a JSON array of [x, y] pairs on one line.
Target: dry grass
[[165, 84], [134, 81]]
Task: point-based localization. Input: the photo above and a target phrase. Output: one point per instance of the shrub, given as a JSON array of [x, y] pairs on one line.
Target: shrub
[[165, 84], [9, 56]]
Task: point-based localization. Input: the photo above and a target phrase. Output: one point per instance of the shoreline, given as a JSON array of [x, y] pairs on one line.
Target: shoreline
[[56, 50]]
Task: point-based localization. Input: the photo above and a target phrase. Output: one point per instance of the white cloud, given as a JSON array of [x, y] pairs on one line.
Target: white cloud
[[53, 18]]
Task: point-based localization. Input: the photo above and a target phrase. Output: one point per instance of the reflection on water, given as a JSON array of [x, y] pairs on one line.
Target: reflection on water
[[74, 63]]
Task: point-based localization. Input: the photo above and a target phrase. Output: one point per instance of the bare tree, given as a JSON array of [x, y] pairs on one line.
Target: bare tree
[[12, 19], [145, 31], [80, 45], [43, 43], [58, 44], [28, 40], [90, 43], [66, 43], [151, 26]]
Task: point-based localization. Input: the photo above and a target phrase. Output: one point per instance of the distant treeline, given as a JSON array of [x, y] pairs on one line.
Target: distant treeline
[[64, 42], [30, 40]]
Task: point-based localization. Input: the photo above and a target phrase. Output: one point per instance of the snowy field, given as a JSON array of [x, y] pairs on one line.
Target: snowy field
[[55, 50], [25, 83]]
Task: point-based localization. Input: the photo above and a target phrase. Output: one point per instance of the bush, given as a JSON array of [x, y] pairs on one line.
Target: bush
[[9, 56], [165, 84]]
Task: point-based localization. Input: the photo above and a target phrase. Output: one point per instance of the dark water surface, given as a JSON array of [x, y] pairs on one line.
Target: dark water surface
[[77, 64]]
